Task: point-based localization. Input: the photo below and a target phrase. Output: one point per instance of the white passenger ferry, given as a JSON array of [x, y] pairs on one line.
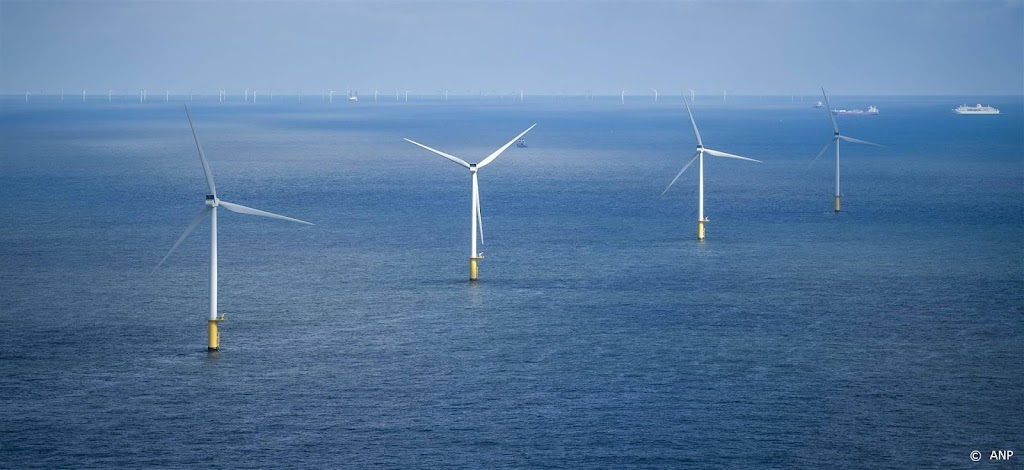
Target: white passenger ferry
[[979, 109]]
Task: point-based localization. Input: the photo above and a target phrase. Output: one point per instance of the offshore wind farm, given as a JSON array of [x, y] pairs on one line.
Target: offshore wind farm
[[596, 290], [885, 332]]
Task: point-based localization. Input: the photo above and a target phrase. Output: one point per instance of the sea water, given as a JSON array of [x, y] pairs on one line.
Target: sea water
[[601, 334]]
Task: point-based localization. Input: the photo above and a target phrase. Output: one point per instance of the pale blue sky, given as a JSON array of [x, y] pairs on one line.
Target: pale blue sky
[[749, 47]]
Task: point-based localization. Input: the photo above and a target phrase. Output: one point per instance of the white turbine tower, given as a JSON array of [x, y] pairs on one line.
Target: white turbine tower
[[475, 217], [375, 95], [655, 95], [27, 94], [691, 94], [61, 95], [109, 93], [83, 95], [836, 137], [700, 185], [210, 209], [330, 95], [622, 98]]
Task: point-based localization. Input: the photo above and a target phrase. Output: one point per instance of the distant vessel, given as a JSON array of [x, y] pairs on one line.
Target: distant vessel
[[856, 112], [521, 144], [979, 109], [817, 105], [353, 96]]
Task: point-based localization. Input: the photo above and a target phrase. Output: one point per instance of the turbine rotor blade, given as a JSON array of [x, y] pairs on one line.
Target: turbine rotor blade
[[681, 172], [729, 155], [858, 141], [248, 210], [191, 226], [828, 108], [202, 156], [495, 154], [695, 131], [822, 152], [445, 155], [479, 218]]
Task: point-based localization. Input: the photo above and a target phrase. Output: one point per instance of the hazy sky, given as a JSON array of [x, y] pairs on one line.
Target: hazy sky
[[749, 47]]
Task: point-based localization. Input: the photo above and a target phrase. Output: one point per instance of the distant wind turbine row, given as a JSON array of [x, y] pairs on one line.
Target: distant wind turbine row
[[250, 95]]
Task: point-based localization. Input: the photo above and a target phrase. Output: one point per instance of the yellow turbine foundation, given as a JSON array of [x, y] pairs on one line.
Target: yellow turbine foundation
[[700, 229], [837, 203], [213, 336], [473, 270]]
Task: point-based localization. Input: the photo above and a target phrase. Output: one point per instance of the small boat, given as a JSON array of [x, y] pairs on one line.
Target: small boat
[[979, 109], [856, 112], [818, 104]]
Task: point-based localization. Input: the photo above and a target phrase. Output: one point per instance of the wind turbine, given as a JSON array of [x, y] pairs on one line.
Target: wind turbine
[[655, 95], [83, 95], [109, 93], [622, 98], [691, 94], [406, 96], [27, 94], [700, 185], [210, 209], [836, 137], [374, 95], [475, 217]]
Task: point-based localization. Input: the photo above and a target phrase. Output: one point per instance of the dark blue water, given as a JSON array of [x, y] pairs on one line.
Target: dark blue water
[[601, 334]]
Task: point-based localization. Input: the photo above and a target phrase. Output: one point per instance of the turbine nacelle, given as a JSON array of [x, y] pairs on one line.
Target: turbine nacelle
[[212, 201]]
